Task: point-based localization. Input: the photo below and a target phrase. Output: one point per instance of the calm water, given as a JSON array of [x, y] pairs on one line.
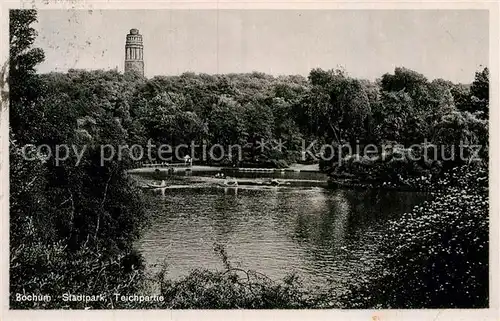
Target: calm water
[[323, 235]]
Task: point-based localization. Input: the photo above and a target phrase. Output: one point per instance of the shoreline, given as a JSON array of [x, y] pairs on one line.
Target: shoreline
[[383, 185], [314, 168], [329, 183]]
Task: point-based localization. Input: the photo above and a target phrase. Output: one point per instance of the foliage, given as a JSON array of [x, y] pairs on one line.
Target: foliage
[[480, 93], [236, 288], [23, 81], [437, 255], [337, 106], [67, 221], [50, 269], [248, 109]]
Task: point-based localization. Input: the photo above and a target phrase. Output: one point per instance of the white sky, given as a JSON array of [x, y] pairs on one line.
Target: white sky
[[449, 44]]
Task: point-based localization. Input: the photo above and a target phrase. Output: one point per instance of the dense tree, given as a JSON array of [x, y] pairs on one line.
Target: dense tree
[[24, 87], [67, 220], [480, 93], [337, 106]]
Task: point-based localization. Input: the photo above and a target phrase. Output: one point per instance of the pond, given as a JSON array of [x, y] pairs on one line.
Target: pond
[[323, 235]]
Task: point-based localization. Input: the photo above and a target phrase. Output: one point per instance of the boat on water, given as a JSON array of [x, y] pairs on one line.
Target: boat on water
[[274, 182], [161, 185], [229, 183]]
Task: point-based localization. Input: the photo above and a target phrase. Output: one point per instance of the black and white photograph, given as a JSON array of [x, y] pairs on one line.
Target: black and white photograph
[[247, 159]]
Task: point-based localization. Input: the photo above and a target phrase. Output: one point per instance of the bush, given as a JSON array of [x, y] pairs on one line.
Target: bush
[[236, 288], [399, 166], [437, 255], [49, 269]]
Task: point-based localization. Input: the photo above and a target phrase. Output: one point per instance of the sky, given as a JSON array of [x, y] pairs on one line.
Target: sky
[[448, 44]]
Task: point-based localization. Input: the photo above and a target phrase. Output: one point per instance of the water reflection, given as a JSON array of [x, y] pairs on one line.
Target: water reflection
[[323, 235]]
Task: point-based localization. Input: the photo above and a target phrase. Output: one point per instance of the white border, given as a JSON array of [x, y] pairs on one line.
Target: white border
[[485, 314]]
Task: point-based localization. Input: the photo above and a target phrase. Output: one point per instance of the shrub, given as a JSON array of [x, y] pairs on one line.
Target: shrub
[[236, 288], [49, 269], [436, 256]]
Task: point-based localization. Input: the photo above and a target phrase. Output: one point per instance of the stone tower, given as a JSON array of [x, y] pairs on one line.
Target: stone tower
[[134, 53]]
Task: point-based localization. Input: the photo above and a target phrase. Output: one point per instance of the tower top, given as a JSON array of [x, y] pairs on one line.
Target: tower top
[[134, 62]]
